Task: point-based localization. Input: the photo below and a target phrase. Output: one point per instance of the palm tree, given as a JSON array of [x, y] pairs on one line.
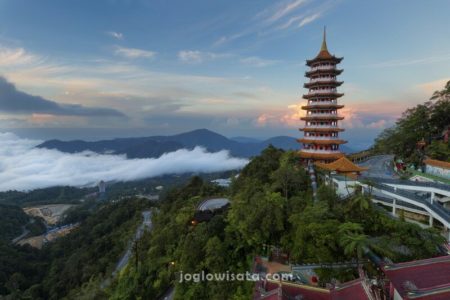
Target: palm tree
[[361, 202], [350, 227], [355, 244]]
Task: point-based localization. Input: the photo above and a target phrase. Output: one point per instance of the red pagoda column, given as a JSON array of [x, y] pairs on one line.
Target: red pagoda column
[[321, 132]]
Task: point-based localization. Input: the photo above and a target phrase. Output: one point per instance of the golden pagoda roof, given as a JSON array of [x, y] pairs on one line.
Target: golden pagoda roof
[[324, 54], [342, 165]]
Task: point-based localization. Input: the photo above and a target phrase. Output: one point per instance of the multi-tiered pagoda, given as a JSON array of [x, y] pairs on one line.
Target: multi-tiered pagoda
[[321, 132]]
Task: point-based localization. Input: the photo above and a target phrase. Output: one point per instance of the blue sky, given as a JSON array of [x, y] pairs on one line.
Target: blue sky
[[159, 67]]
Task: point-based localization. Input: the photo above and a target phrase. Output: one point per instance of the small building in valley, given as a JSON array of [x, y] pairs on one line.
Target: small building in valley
[[437, 168]]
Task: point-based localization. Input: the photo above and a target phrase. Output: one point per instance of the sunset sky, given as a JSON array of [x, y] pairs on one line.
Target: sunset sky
[[96, 69]]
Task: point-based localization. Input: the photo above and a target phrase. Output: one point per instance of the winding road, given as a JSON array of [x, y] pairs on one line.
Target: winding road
[[146, 225], [25, 232]]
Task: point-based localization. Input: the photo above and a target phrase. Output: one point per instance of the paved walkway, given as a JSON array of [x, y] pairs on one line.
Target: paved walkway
[[379, 166]]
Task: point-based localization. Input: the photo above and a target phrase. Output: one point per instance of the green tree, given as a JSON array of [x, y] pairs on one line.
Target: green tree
[[426, 121], [327, 195], [259, 218], [354, 244], [289, 178]]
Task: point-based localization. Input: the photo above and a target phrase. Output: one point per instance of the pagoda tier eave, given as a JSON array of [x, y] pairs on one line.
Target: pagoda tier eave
[[318, 59], [320, 106], [327, 95], [320, 71], [321, 142], [329, 129], [321, 118], [323, 83], [321, 155]]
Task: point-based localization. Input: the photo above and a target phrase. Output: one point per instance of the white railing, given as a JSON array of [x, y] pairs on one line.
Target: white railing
[[331, 67], [322, 138], [322, 102], [320, 151], [322, 79], [324, 115], [322, 91], [320, 126]]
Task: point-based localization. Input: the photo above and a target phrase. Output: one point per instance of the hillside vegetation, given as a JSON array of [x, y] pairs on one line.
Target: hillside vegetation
[[12, 218], [271, 204], [425, 122], [74, 266]]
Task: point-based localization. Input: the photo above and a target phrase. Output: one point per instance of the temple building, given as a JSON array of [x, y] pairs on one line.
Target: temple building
[[321, 132], [342, 166]]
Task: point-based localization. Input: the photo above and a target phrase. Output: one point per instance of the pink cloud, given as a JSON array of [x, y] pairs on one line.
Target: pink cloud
[[371, 116]]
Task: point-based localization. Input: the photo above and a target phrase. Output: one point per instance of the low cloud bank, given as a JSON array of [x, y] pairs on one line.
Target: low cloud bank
[[24, 167]]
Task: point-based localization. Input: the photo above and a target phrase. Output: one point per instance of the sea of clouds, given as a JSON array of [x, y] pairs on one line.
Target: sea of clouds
[[24, 167]]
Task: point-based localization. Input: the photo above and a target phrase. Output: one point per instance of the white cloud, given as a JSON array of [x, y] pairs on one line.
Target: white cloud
[[290, 14], [309, 19], [289, 117], [23, 167], [257, 61], [430, 87], [134, 53], [116, 35], [286, 9], [291, 21], [302, 20], [410, 61], [16, 56], [195, 56]]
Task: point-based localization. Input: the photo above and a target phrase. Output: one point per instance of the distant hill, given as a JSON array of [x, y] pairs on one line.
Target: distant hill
[[155, 146], [244, 139]]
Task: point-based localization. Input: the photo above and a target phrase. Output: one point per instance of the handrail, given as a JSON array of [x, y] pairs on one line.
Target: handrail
[[398, 202], [408, 182], [331, 67], [436, 208]]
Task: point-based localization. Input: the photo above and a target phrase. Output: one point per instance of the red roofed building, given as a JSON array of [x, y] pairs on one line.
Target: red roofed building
[[268, 289], [427, 279], [272, 290]]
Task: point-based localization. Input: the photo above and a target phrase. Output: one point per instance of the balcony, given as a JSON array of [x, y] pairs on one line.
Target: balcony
[[331, 67], [321, 151], [323, 79], [332, 102], [328, 115], [321, 126], [321, 138], [322, 91]]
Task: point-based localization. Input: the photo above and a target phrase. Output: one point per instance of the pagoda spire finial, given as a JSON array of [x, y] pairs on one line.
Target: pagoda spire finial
[[324, 41]]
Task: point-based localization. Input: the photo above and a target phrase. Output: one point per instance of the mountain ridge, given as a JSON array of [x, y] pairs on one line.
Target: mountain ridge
[[155, 146]]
